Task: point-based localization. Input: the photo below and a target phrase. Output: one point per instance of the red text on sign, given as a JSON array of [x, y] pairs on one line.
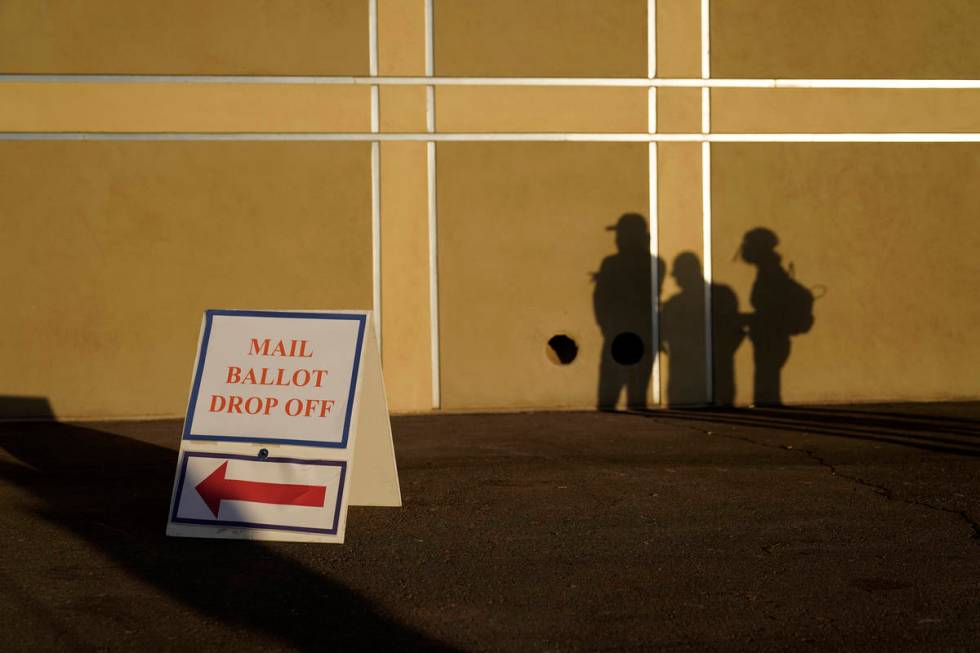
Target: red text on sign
[[265, 347], [279, 376]]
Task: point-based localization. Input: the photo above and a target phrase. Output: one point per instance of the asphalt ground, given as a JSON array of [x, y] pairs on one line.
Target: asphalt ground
[[793, 529]]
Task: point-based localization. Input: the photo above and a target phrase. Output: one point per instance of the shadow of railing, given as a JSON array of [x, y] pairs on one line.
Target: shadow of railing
[[936, 433]]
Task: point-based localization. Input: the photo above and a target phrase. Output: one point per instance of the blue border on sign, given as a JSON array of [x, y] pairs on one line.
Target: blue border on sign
[[230, 456], [202, 355]]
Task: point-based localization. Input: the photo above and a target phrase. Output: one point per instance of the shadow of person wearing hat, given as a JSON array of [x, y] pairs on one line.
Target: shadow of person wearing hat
[[782, 308], [623, 303]]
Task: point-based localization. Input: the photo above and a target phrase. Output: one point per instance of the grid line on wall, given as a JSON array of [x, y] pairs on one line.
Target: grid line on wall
[[706, 253], [431, 207], [376, 280], [387, 80], [653, 199], [544, 137]]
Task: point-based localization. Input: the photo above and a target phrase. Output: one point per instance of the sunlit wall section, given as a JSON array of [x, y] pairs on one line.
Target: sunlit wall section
[[112, 251], [218, 37]]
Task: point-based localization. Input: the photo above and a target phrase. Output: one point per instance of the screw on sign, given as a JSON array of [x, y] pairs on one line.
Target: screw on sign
[[216, 488]]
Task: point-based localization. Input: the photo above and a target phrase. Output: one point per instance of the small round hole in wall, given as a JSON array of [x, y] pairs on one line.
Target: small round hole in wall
[[561, 350], [627, 348]]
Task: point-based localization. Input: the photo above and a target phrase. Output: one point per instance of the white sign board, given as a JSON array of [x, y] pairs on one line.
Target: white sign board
[[279, 404]]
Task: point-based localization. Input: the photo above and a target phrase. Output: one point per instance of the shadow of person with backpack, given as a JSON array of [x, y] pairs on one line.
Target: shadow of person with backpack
[[782, 308]]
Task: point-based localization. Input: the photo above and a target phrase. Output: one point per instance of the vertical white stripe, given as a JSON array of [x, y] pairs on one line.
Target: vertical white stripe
[[654, 273], [705, 110], [430, 152], [706, 231], [373, 38], [429, 39], [376, 235], [708, 272], [375, 171], [653, 198], [430, 109], [651, 110], [433, 275], [651, 39], [705, 65], [705, 39]]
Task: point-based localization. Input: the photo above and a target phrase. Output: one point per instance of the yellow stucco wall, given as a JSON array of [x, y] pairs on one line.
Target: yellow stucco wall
[[540, 38], [888, 39], [491, 109], [788, 110], [169, 107], [112, 249], [230, 37]]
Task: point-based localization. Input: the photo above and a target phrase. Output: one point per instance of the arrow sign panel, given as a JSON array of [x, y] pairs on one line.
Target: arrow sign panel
[[216, 488], [287, 494]]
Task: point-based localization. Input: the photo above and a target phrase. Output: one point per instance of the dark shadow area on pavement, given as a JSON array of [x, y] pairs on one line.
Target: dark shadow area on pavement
[[940, 434], [13, 407], [113, 492]]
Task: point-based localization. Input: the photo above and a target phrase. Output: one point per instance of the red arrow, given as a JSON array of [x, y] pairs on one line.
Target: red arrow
[[216, 488]]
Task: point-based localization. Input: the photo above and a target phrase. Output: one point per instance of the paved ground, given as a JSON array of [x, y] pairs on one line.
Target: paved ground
[[808, 529]]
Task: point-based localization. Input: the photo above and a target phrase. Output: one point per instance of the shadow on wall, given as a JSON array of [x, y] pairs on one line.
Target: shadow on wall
[[782, 308], [623, 303], [683, 336], [117, 508], [33, 408]]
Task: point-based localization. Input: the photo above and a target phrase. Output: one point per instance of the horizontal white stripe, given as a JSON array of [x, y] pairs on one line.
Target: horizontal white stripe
[[506, 81], [505, 137], [844, 138]]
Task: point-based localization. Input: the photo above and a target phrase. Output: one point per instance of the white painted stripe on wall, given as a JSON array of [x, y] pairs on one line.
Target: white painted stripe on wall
[[434, 277], [706, 235], [651, 39], [373, 38], [653, 200], [705, 110], [653, 195], [375, 109], [429, 41], [651, 110], [705, 39], [912, 84], [430, 155], [706, 230], [884, 137], [430, 109], [376, 236], [921, 84], [375, 174]]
